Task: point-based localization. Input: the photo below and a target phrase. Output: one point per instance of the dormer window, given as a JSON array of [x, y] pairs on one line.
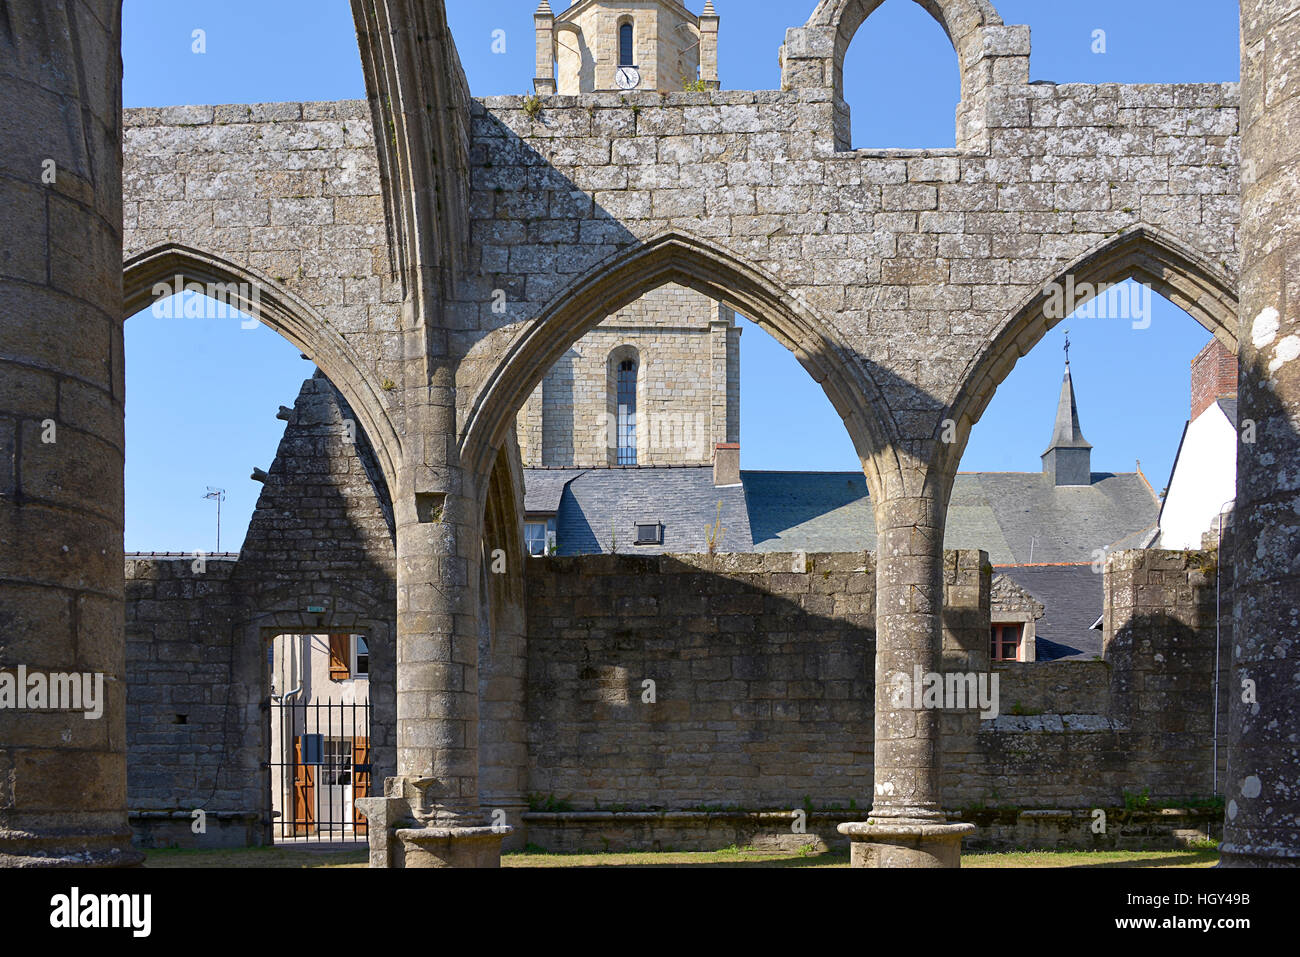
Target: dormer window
[[626, 45]]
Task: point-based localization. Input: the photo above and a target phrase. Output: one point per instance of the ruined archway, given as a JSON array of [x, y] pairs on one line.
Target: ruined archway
[[836, 22], [1170, 268], [261, 297], [716, 273]]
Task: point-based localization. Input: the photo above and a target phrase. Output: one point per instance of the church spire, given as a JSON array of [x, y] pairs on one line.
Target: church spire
[[1068, 460]]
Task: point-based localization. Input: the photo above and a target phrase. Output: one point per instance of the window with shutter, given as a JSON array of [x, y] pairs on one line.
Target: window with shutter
[[340, 653]]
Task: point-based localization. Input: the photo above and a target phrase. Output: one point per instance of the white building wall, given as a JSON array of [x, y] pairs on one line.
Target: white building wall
[[1204, 478]]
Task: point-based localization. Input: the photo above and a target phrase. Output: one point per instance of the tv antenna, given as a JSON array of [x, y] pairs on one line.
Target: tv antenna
[[219, 496]]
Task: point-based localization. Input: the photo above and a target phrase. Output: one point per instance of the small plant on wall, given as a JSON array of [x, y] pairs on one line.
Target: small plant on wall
[[713, 533]]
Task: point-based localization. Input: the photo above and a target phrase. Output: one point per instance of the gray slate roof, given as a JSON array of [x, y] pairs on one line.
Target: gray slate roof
[[1017, 517], [597, 505], [543, 489], [1073, 599], [1229, 407]]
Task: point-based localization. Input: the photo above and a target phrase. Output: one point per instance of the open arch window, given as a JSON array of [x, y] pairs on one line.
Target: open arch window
[[627, 412], [626, 45]]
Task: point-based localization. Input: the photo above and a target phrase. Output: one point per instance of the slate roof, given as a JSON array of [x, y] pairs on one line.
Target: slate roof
[[543, 489], [809, 511], [1073, 598], [1229, 407], [594, 506], [1017, 517]]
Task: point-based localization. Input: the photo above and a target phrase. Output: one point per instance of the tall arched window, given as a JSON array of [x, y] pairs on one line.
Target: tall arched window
[[626, 46], [627, 412]]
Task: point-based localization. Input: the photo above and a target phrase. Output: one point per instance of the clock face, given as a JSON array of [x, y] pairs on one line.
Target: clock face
[[628, 78]]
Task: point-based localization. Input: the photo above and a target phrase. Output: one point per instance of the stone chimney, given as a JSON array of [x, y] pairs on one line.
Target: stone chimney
[[726, 464], [1214, 377], [544, 21], [709, 21]]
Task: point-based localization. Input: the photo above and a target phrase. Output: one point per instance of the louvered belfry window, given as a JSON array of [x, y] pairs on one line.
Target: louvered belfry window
[[627, 412]]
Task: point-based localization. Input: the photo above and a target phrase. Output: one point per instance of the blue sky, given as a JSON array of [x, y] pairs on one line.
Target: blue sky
[[202, 394]]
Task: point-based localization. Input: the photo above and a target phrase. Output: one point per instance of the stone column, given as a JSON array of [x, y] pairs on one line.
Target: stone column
[[1262, 825], [907, 826], [430, 811], [62, 775]]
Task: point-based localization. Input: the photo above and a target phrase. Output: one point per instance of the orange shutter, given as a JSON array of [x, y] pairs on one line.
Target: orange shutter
[[340, 653], [304, 793], [360, 780]]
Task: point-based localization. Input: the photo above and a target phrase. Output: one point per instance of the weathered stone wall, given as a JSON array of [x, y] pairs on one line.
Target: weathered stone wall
[[1167, 615], [1140, 722], [911, 262], [198, 634], [917, 258], [688, 390], [764, 680], [192, 738]]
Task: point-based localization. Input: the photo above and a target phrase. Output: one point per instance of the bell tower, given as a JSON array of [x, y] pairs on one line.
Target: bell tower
[[623, 45]]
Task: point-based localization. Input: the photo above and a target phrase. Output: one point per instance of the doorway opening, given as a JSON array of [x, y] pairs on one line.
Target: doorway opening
[[320, 755]]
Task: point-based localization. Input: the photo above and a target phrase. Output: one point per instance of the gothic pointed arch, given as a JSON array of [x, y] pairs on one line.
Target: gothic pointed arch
[[252, 292], [1148, 255], [674, 257]]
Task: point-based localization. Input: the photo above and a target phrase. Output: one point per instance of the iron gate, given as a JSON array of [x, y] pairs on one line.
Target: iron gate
[[319, 767]]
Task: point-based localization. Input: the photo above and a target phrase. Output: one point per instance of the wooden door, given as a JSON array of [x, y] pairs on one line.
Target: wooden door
[[360, 780], [304, 792]]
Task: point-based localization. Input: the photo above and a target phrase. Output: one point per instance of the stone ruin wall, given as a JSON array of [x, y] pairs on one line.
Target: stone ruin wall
[[196, 636]]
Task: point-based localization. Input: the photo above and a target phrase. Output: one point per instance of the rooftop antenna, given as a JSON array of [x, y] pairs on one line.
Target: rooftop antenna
[[219, 495]]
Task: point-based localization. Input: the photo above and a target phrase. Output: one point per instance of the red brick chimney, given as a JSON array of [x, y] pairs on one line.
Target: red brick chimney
[[1214, 377]]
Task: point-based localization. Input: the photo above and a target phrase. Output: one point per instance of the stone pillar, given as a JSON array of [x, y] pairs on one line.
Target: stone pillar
[[907, 826], [1262, 825], [431, 811], [709, 21], [62, 776], [544, 78]]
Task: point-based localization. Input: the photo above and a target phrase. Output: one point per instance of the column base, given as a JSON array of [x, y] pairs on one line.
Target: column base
[[397, 840], [68, 849], [1237, 855], [421, 847], [904, 844]]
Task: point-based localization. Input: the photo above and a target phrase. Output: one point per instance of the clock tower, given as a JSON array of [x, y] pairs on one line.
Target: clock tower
[[610, 45]]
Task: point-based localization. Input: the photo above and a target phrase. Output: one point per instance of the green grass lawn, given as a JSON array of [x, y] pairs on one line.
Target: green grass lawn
[[731, 857]]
